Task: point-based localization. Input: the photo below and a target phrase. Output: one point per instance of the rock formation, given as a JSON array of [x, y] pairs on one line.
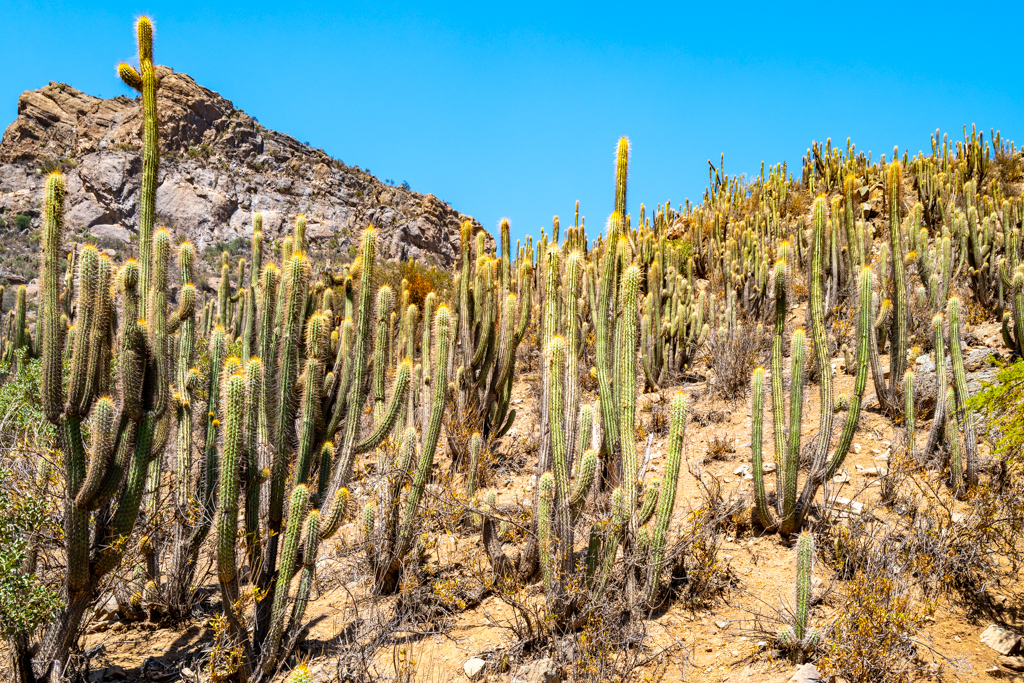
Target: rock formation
[[218, 165]]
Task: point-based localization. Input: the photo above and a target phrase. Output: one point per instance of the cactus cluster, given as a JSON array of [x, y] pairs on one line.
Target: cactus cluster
[[249, 412]]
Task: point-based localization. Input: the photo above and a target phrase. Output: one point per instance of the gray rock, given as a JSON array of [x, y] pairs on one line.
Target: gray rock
[[1013, 663], [1001, 640], [808, 673], [474, 668], [218, 165], [112, 232], [542, 671]]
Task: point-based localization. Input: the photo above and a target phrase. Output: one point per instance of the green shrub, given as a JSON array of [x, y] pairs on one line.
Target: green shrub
[[22, 222], [25, 603], [1001, 407], [20, 405]]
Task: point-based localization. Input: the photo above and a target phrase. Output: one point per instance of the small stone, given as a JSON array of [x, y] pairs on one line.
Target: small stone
[[742, 469], [808, 673], [875, 472], [999, 639], [1012, 663], [542, 671], [856, 448], [512, 433], [841, 478], [474, 668], [761, 644], [722, 624], [956, 639], [768, 467]]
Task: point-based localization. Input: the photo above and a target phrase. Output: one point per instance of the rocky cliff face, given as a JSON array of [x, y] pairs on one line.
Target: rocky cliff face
[[218, 165]]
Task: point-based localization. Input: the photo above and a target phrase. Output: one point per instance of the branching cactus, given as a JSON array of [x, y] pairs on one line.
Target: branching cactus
[[104, 497], [888, 390], [390, 523], [789, 511], [492, 321]]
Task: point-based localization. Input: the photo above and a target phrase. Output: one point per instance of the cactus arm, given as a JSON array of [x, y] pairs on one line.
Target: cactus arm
[[359, 353], [289, 552], [821, 353], [804, 578], [390, 414]]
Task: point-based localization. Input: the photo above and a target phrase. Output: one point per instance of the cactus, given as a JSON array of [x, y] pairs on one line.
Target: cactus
[[790, 511], [51, 389], [798, 637], [667, 497], [963, 413], [546, 537], [389, 557], [122, 445], [935, 434], [145, 82]]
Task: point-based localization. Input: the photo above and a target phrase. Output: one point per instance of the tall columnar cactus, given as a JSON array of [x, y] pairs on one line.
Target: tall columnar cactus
[[51, 389], [667, 496], [625, 386], [963, 413], [799, 637], [145, 81], [936, 433]]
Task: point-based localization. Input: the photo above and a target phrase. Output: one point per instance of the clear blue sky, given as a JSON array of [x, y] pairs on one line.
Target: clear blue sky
[[514, 109]]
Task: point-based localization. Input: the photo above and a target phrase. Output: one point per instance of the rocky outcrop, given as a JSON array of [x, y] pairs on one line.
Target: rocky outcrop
[[218, 166]]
